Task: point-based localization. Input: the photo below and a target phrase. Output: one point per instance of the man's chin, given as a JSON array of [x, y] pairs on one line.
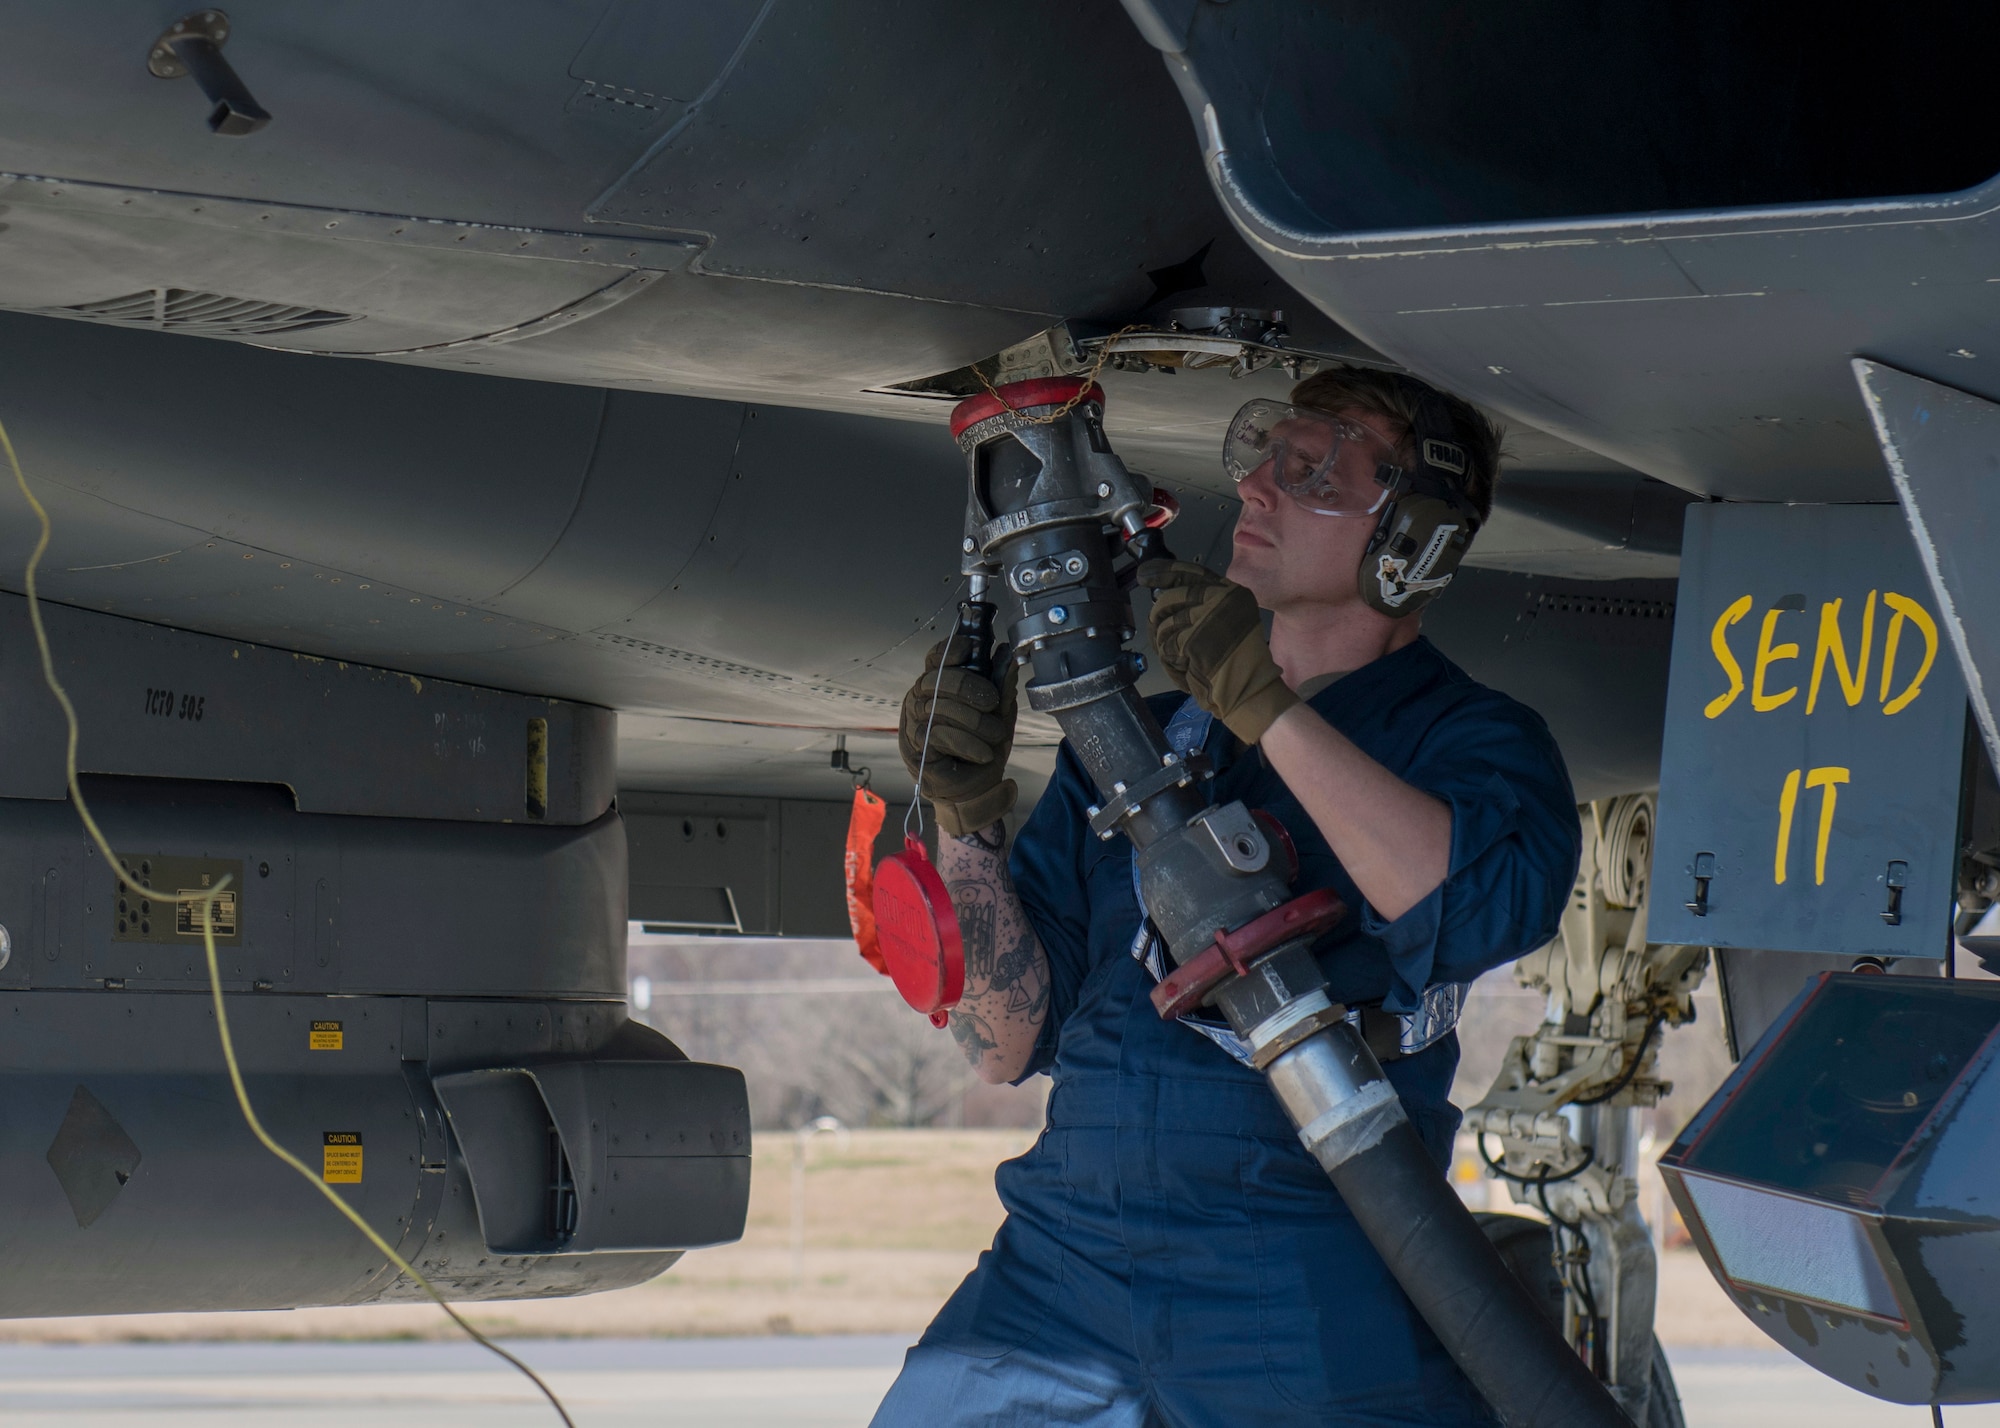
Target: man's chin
[[1252, 574]]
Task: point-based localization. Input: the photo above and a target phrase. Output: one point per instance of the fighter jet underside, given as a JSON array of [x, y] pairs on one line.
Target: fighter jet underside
[[797, 258], [598, 357]]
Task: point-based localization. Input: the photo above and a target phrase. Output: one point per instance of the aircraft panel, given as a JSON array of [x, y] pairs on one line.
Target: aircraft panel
[[1700, 344], [530, 536], [890, 183]]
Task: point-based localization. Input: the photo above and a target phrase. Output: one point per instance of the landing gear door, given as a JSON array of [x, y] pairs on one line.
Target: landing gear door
[[1815, 739]]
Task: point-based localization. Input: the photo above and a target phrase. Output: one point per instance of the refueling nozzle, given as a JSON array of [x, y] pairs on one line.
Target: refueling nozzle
[[1055, 519], [1049, 509]]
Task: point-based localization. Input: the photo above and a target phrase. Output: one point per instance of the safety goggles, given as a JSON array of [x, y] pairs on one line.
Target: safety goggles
[[1329, 464]]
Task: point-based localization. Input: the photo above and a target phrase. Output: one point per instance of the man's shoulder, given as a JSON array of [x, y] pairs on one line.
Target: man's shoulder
[[1495, 730], [1464, 700], [1418, 678], [1457, 689], [1425, 701]]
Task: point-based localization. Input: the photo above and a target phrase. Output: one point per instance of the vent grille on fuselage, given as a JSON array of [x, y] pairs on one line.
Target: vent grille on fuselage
[[1619, 607], [210, 314]]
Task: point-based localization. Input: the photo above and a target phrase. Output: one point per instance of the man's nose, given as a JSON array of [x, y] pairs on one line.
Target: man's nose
[[1260, 487]]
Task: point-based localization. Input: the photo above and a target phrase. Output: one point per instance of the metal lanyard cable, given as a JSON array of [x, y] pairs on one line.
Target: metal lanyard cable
[[916, 808], [207, 899]]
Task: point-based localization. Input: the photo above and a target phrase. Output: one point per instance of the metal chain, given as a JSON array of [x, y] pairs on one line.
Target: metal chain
[[1076, 399]]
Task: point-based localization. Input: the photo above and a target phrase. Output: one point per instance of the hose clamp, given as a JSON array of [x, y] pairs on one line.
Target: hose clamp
[[1175, 772], [1293, 1024], [1188, 985], [1048, 698], [1339, 1133]]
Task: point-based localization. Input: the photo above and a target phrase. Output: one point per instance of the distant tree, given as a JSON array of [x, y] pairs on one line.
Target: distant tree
[[903, 1070], [859, 1055]]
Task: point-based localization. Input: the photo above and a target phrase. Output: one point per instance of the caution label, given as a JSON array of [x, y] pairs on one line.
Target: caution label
[[340, 1158], [324, 1036]]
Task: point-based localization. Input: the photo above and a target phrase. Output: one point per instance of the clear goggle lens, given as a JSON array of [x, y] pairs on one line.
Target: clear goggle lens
[[1328, 464]]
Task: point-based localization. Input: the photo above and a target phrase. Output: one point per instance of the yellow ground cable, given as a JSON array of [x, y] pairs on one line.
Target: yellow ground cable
[[207, 900]]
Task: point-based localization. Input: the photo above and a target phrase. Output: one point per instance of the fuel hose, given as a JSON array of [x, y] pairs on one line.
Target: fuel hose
[[1464, 1290], [1050, 511], [1352, 1122]]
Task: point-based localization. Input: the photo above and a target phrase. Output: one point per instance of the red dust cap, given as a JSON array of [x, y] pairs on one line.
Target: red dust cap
[[918, 932], [1020, 396]]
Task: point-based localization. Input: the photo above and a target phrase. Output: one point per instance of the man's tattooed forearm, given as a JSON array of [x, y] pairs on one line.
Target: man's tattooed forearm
[[1017, 977], [974, 904], [1039, 1003], [972, 1035], [1007, 981], [991, 838]]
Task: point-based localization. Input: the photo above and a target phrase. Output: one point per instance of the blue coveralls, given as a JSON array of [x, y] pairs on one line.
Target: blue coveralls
[[1171, 1254]]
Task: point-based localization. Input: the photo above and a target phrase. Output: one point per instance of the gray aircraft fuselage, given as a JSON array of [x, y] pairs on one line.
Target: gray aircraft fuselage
[[598, 353]]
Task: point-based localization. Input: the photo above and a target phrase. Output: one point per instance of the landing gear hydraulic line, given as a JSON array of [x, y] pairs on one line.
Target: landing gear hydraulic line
[[1050, 509]]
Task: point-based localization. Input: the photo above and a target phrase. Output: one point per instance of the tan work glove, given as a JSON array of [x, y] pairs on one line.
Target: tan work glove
[[971, 735], [1207, 632]]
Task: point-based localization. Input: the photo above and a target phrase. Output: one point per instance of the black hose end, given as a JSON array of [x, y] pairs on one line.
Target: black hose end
[[1480, 1311]]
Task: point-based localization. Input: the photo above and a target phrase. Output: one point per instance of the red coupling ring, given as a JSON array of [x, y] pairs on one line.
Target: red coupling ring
[[1021, 397], [1182, 989], [1166, 506], [917, 931]]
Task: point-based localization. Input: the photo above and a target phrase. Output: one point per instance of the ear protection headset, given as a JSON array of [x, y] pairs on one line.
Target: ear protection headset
[[1428, 523]]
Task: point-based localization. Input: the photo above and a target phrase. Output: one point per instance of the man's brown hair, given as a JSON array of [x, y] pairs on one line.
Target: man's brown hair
[[1395, 395]]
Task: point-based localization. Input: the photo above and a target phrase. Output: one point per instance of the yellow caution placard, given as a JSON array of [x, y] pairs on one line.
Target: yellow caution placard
[[340, 1158], [324, 1036]]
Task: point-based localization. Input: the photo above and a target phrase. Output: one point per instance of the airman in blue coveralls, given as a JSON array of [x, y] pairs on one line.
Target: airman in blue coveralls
[[1171, 1254]]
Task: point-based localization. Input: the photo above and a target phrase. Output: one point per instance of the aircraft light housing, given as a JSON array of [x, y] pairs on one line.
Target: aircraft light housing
[[1841, 1185]]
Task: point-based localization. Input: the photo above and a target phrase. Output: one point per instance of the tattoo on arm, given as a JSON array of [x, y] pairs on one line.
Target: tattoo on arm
[[1018, 977], [974, 904], [974, 1037], [1007, 983]]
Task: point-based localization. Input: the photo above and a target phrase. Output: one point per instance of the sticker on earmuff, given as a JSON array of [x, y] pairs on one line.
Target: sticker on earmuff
[[1397, 587], [1445, 455], [1427, 559]]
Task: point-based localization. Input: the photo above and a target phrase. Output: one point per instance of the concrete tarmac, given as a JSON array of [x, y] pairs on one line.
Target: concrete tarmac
[[794, 1382]]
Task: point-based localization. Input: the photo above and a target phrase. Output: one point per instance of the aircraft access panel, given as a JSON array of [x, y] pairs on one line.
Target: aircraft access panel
[[1815, 738]]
